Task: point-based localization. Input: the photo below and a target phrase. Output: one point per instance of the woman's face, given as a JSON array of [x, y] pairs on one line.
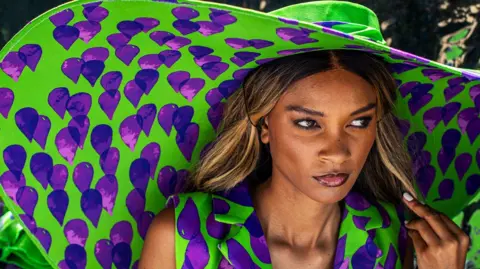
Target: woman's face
[[323, 124]]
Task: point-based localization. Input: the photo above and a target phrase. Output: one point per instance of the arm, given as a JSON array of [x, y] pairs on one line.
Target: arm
[[159, 248]]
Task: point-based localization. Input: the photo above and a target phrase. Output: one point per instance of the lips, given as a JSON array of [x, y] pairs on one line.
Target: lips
[[332, 180]]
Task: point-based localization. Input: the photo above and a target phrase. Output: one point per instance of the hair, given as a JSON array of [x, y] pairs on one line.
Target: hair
[[238, 154]]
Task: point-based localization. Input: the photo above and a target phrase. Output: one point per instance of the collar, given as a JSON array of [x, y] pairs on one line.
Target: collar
[[359, 223]]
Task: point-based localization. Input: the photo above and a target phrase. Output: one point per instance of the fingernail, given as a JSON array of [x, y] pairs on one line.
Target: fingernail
[[406, 222], [407, 196]]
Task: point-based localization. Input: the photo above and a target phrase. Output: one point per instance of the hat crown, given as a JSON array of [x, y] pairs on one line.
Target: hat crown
[[347, 17]]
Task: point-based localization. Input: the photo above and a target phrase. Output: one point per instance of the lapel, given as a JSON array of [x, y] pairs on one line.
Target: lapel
[[245, 245]]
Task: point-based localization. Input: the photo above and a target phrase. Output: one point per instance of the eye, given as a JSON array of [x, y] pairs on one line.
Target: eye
[[306, 124], [362, 123]]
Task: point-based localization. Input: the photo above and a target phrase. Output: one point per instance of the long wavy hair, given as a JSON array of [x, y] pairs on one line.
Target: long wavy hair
[[238, 154]]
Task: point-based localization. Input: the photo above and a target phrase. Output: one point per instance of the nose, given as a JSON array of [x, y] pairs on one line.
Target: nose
[[334, 149]]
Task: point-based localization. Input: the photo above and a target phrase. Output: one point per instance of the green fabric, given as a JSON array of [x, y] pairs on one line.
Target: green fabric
[[214, 230]]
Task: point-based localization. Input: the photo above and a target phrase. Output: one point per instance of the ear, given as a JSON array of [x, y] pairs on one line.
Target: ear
[[264, 134]]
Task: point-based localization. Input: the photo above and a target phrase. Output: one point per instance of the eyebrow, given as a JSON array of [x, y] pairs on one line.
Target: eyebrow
[[321, 114]]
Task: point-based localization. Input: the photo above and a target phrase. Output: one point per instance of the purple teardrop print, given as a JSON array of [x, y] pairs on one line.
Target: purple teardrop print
[[66, 144], [169, 57], [15, 158], [178, 42], [111, 80], [82, 176], [146, 79], [222, 17], [6, 101], [42, 131], [432, 117], [127, 53], [147, 23], [462, 163], [76, 256], [27, 198], [188, 222], [130, 28], [185, 13], [109, 161], [473, 130], [216, 229], [357, 201], [237, 43], [187, 140], [72, 68], [91, 204], [87, 30], [213, 97], [79, 104], [191, 87], [214, 70], [130, 129], [41, 166], [165, 117], [101, 138], [449, 111], [151, 152], [161, 37], [66, 35], [472, 184], [140, 173], [136, 203], [435, 74], [445, 189], [108, 188], [239, 256], [425, 177], [57, 99], [196, 254], [167, 178], [27, 121], [62, 18], [182, 117], [260, 248], [186, 27], [33, 53], [13, 64], [76, 232], [445, 158], [133, 93], [200, 51], [208, 28], [465, 116], [82, 124], [150, 61], [118, 40], [215, 115], [103, 253], [108, 102], [144, 222], [58, 204], [92, 70], [95, 54], [176, 79], [121, 232], [59, 177], [452, 91], [11, 183], [361, 221], [122, 256], [96, 14], [44, 237]]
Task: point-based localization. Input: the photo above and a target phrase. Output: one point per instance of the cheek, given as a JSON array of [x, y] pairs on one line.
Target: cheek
[[362, 148]]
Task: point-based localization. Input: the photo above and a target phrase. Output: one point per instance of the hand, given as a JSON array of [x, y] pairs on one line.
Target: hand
[[438, 241]]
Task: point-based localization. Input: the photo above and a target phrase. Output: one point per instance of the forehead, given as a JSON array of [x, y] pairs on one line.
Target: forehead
[[333, 87]]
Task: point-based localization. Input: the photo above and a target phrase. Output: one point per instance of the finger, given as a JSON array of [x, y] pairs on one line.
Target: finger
[[453, 227], [424, 230], [431, 216], [418, 242]]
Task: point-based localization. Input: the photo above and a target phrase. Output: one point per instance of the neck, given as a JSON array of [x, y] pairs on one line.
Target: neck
[[291, 218]]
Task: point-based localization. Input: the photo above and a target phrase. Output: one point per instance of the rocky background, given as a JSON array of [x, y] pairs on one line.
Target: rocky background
[[444, 30]]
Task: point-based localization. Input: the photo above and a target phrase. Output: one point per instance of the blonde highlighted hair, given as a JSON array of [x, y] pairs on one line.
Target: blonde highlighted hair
[[237, 153]]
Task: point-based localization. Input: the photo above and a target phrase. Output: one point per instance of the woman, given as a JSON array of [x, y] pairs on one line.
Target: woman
[[304, 133]]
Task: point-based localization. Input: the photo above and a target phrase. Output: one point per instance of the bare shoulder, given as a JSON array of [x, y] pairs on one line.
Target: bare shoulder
[[159, 247]]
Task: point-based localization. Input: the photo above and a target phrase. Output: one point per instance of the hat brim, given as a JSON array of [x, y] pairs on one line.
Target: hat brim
[[101, 114]]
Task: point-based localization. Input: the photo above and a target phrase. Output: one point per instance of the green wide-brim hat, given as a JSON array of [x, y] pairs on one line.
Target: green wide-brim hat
[[104, 106]]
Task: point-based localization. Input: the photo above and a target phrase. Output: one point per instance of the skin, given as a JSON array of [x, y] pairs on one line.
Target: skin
[[299, 216]]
